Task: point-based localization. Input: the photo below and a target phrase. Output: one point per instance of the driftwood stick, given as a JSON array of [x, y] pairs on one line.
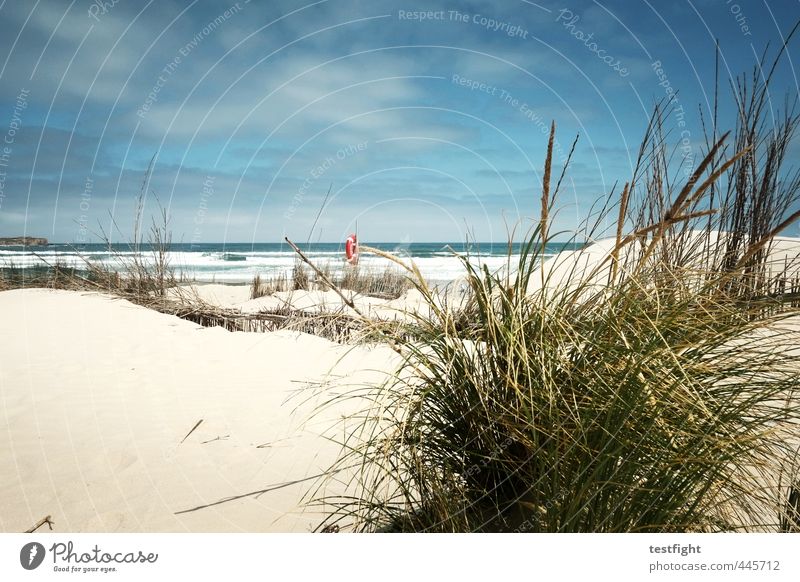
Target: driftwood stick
[[347, 301], [47, 519], [260, 491], [191, 431], [322, 276]]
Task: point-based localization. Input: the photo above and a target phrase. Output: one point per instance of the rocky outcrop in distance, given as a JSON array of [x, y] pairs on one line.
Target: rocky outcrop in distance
[[23, 241]]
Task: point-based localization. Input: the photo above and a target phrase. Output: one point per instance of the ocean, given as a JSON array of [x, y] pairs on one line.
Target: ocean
[[240, 262]]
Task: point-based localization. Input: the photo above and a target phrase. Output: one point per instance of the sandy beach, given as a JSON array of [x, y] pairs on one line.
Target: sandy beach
[[276, 269], [100, 397], [124, 419]]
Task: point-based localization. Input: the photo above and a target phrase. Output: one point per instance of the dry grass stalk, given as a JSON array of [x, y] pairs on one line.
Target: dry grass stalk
[[623, 209], [545, 201]]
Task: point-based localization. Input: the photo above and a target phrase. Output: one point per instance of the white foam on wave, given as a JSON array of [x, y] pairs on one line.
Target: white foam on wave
[[213, 266]]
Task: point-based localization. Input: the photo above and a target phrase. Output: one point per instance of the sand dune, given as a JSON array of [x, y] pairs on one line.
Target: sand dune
[[101, 401], [237, 297], [98, 395], [592, 266]]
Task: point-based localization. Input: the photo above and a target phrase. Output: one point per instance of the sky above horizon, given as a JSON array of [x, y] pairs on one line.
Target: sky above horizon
[[428, 121]]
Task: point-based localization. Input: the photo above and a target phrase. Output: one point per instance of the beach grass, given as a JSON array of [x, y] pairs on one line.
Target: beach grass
[[386, 283], [664, 399], [142, 273]]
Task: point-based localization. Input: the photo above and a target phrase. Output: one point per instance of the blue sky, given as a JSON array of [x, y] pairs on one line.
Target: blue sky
[[429, 119]]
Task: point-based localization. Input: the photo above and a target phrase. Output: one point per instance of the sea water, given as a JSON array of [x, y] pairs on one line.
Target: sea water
[[240, 262]]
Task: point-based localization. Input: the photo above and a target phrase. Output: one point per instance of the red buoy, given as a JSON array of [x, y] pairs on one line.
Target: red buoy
[[351, 249]]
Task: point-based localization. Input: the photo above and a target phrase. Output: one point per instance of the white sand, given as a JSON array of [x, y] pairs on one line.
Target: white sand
[[237, 297], [222, 295], [592, 266], [97, 394]]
